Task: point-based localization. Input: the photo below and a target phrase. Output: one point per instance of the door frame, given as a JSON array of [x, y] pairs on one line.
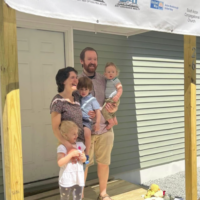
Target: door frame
[[48, 24], [45, 24]]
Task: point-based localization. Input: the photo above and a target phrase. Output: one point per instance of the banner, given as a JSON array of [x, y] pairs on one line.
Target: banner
[[175, 16]]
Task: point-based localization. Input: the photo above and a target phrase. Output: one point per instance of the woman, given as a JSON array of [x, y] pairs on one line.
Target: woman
[[65, 105]]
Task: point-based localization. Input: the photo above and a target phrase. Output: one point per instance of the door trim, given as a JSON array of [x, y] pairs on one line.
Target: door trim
[[68, 55], [46, 24]]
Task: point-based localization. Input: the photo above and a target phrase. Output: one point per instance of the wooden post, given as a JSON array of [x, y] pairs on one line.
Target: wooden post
[[11, 126], [190, 117]]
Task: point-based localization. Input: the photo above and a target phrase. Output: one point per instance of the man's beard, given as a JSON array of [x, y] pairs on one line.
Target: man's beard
[[91, 68]]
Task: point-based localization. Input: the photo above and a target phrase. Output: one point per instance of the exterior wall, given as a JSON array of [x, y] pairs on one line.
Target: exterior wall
[[150, 134], [140, 176], [151, 114]]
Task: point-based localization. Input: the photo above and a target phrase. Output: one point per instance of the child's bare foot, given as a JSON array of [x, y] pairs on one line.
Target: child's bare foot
[[115, 120]]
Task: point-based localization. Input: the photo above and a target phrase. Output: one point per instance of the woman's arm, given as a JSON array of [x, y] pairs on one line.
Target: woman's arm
[[82, 157], [55, 121], [92, 114], [63, 160]]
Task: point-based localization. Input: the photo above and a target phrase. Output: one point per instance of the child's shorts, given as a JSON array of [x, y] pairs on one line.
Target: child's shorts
[[75, 191], [87, 123], [105, 113]]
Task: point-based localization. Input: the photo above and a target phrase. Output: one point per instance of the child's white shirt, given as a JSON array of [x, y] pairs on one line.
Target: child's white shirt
[[71, 174]]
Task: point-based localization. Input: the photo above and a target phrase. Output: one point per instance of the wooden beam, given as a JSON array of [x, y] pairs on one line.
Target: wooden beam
[[11, 126], [190, 117]]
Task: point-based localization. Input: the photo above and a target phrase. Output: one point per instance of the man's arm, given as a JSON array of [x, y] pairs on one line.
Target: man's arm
[[111, 107], [98, 119], [119, 92]]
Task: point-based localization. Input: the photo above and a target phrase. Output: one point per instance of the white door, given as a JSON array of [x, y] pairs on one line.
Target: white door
[[40, 55]]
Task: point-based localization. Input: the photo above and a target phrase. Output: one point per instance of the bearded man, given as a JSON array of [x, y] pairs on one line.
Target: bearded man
[[101, 141]]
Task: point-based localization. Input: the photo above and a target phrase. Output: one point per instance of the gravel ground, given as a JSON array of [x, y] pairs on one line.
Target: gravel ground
[[175, 184]]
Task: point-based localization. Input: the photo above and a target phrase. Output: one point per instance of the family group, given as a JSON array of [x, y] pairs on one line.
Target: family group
[[83, 114]]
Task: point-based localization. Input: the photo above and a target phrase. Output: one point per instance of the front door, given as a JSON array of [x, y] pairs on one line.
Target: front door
[[40, 55]]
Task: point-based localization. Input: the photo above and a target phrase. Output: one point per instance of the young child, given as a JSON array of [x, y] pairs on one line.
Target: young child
[[88, 103], [71, 176], [113, 92]]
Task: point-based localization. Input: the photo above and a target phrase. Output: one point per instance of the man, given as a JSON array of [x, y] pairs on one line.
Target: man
[[102, 141]]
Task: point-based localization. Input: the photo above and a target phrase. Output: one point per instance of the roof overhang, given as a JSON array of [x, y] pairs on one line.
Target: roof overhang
[[124, 17], [38, 22]]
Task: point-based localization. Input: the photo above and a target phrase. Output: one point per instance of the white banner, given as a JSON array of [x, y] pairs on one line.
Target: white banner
[[176, 16]]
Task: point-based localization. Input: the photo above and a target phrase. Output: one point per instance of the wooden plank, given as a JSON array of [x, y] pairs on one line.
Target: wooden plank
[[56, 191], [10, 103], [118, 190], [135, 194], [190, 117]]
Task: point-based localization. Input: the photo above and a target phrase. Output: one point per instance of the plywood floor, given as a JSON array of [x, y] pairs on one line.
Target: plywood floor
[[117, 189]]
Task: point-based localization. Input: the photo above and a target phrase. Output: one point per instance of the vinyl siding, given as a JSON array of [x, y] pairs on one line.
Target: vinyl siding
[[151, 113]]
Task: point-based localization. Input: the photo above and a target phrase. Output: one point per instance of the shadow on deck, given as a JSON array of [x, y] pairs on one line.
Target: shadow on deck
[[117, 189]]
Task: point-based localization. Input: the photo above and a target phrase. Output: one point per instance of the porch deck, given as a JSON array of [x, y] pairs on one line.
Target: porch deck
[[117, 189]]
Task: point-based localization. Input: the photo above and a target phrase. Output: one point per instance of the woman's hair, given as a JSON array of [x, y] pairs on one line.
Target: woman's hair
[[84, 82], [111, 64], [62, 75], [66, 127]]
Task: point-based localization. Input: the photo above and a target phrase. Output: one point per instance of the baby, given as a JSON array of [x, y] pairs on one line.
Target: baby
[[113, 92]]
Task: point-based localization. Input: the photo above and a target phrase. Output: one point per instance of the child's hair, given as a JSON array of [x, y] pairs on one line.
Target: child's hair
[[111, 64], [84, 82], [66, 127]]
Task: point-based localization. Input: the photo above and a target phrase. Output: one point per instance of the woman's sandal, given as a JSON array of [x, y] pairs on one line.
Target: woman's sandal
[[101, 198]]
